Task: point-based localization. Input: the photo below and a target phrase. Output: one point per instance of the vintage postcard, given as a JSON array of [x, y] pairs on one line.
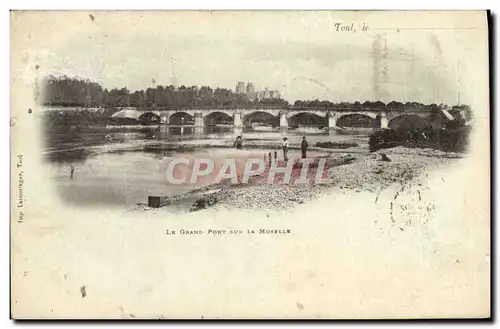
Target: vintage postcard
[[250, 165]]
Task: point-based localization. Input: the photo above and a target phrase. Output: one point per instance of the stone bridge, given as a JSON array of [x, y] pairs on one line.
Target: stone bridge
[[163, 116]]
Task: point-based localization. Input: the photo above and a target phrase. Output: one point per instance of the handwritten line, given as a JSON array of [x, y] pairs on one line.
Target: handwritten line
[[425, 28]]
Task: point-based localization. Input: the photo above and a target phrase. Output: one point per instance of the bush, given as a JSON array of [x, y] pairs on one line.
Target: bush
[[332, 145], [385, 138], [454, 137]]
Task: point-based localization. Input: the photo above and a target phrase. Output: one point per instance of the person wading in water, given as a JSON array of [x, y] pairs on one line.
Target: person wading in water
[[285, 148], [303, 147]]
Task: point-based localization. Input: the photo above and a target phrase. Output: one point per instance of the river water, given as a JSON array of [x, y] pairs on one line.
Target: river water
[[124, 165]]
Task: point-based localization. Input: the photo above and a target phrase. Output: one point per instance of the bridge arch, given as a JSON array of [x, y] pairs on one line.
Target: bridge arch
[[229, 112], [322, 114], [409, 121], [181, 118], [218, 117], [260, 117], [372, 115], [127, 114], [357, 120], [306, 118], [149, 118], [246, 112]]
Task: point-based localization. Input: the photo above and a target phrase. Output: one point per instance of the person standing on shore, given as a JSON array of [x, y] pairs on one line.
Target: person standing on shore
[[303, 147], [238, 143], [285, 148], [72, 171]]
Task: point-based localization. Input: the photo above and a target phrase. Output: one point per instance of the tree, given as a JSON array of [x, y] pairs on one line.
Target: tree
[[206, 96], [159, 96], [394, 104], [367, 104]]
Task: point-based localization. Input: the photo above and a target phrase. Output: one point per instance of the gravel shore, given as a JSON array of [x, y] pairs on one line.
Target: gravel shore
[[363, 172], [396, 168]]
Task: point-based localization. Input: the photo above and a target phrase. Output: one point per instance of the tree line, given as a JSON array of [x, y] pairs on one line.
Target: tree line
[[370, 104], [67, 91]]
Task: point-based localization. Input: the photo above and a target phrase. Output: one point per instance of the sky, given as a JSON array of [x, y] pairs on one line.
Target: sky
[[301, 54]]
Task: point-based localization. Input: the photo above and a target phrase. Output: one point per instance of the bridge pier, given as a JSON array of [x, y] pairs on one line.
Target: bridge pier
[[164, 119], [198, 119], [332, 120], [384, 121], [283, 121], [237, 119]]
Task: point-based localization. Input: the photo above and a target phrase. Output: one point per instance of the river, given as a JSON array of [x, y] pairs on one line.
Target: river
[[123, 165]]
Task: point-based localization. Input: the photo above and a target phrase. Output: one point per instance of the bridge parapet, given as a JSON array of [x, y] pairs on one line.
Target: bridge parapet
[[276, 108]]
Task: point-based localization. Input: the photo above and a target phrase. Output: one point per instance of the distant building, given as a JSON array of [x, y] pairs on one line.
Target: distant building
[[266, 94], [275, 94], [250, 91], [250, 88], [240, 87]]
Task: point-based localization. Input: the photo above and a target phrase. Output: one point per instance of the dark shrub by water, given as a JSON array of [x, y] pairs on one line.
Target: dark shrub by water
[[332, 145], [453, 137]]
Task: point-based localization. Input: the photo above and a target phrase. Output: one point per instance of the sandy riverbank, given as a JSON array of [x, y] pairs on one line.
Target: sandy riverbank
[[364, 172], [345, 170]]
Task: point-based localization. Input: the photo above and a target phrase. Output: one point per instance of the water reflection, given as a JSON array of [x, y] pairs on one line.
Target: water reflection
[[77, 145], [120, 164]]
